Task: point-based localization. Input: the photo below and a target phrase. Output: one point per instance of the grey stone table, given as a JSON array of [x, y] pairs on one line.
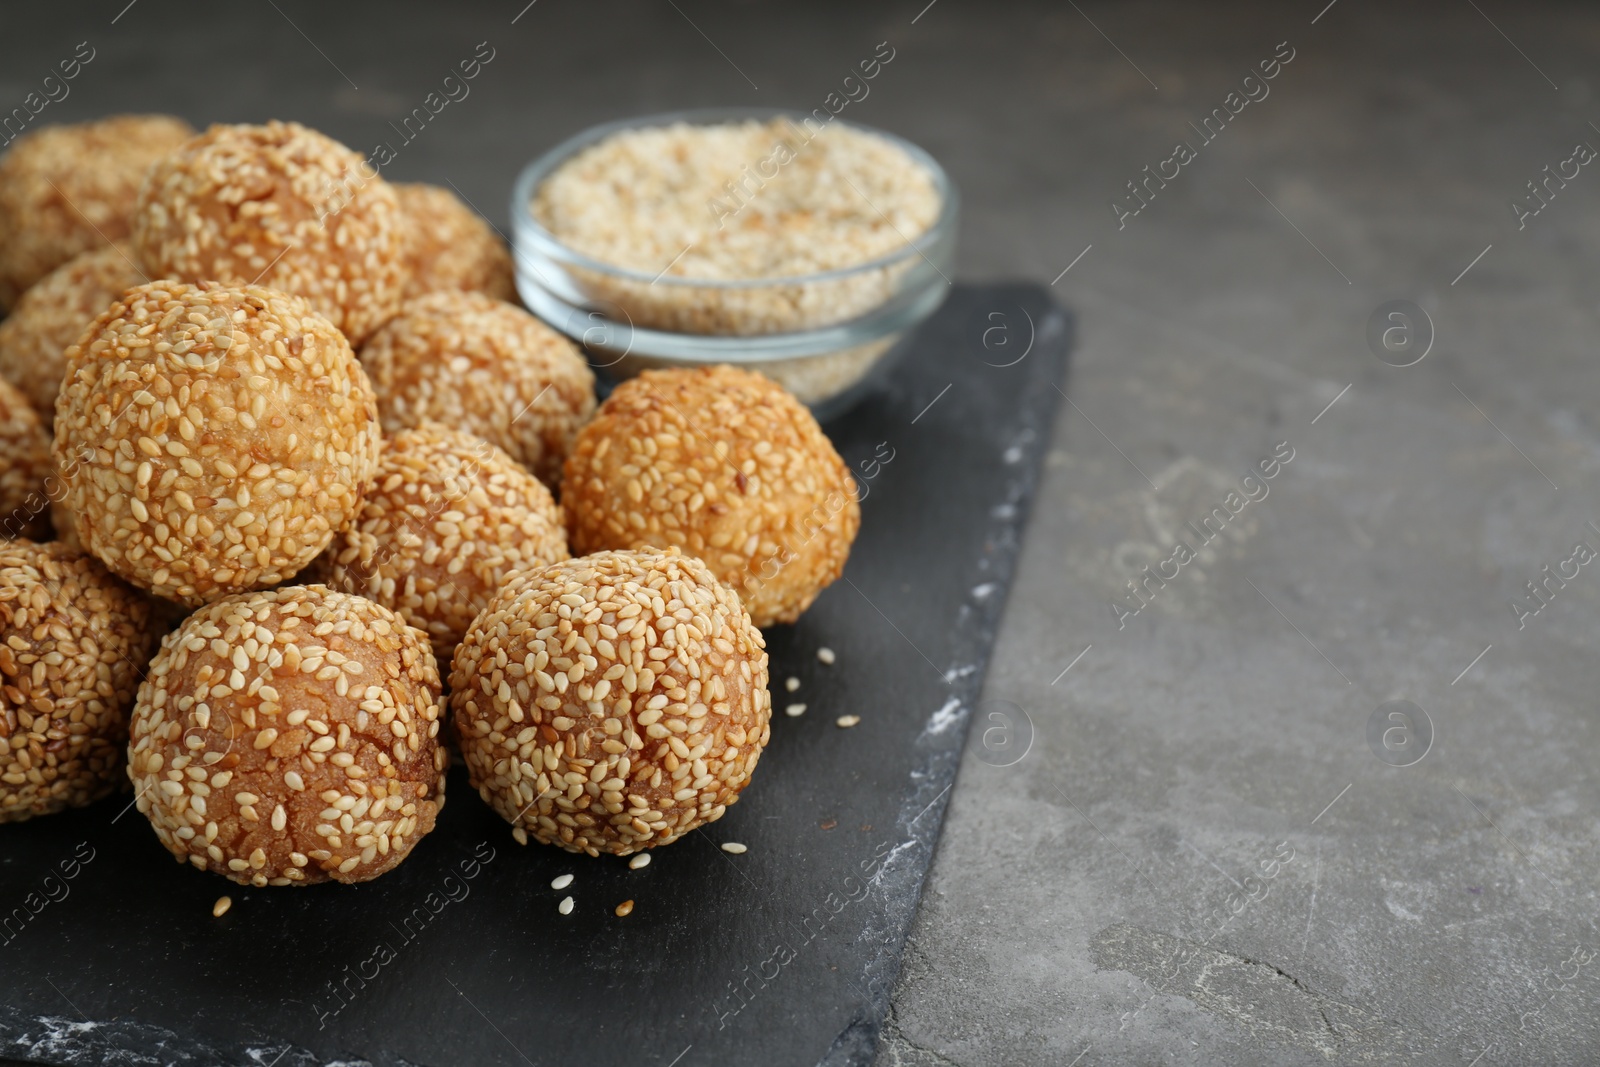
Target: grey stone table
[[1202, 857]]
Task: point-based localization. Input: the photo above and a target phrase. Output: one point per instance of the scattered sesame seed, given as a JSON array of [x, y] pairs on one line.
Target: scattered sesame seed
[[561, 881], [220, 908], [640, 860], [844, 722], [825, 654], [624, 909], [794, 711], [791, 683], [734, 847], [565, 907]]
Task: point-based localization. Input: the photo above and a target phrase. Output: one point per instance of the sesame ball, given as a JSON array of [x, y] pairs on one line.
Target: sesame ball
[[451, 246], [25, 467], [290, 736], [725, 465], [479, 364], [277, 205], [73, 641], [445, 522], [67, 189], [52, 314], [227, 435], [612, 703]]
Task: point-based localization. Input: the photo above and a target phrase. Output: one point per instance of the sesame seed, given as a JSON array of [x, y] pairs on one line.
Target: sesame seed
[[844, 722], [825, 654], [561, 881], [734, 847], [519, 835], [794, 711], [565, 907], [791, 683], [639, 860], [624, 909], [220, 908]]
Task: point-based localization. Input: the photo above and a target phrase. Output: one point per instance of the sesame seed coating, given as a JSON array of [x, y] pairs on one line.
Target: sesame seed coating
[[25, 466], [278, 205], [481, 365], [290, 736], [612, 703], [450, 246], [73, 640], [67, 189], [447, 519], [225, 435], [725, 465], [52, 314]]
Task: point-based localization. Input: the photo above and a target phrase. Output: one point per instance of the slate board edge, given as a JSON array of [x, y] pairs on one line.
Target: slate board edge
[[63, 1041], [922, 816]]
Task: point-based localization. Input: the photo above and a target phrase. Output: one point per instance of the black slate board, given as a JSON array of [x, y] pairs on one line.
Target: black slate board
[[784, 955]]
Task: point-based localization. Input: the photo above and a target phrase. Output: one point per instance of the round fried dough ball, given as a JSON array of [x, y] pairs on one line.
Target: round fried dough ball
[[67, 189], [228, 434], [451, 246], [52, 314], [612, 703], [726, 465], [73, 641], [278, 205], [479, 364], [25, 468], [446, 521], [290, 736]]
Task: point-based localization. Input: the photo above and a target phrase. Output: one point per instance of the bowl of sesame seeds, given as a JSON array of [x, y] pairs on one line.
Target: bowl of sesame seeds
[[772, 239]]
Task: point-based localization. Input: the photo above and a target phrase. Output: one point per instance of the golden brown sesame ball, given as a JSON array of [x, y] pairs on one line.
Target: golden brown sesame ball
[[481, 365], [612, 703], [277, 205], [52, 314], [228, 436], [25, 468], [67, 189], [73, 642], [445, 522], [726, 465], [290, 736], [451, 246]]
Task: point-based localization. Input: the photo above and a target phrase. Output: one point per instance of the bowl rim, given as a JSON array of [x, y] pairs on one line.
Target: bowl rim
[[527, 228]]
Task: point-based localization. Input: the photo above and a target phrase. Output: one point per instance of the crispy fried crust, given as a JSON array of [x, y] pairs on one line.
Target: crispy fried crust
[[290, 736], [612, 703], [725, 465]]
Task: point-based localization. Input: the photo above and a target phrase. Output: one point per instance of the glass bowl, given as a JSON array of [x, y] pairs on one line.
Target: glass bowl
[[825, 336]]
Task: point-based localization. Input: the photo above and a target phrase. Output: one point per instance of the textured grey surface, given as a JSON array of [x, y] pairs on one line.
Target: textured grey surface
[[1079, 906], [1078, 911]]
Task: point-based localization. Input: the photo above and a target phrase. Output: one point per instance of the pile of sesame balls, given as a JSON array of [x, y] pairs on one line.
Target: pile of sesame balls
[[259, 400]]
